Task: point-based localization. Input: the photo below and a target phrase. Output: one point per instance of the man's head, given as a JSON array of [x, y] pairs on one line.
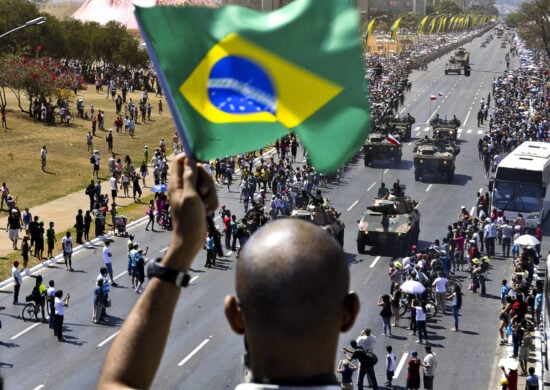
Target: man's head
[[292, 284]]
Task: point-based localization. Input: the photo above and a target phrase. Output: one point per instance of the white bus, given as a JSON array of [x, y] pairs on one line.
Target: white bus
[[520, 183]]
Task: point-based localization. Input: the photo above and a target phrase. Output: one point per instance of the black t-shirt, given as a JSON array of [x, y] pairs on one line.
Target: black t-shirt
[[14, 222], [361, 357]]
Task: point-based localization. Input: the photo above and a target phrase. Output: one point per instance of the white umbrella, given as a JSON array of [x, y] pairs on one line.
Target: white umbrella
[[526, 240], [412, 287]]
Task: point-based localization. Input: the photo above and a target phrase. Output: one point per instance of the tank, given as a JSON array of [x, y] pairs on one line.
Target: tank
[[391, 221], [462, 56], [324, 216], [435, 157], [378, 147], [452, 66]]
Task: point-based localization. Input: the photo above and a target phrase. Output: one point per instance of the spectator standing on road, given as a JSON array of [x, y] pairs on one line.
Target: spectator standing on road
[[50, 237], [429, 365], [210, 251], [67, 244], [17, 281], [43, 155], [297, 299], [59, 309], [456, 297], [366, 366], [507, 232], [346, 369], [150, 212], [440, 285], [99, 301], [390, 365], [140, 269], [413, 372], [385, 312], [108, 260], [227, 228], [532, 381], [366, 340], [50, 299], [420, 310]]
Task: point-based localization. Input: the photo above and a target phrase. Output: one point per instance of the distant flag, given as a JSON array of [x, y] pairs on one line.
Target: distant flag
[[433, 97], [234, 84], [393, 140], [394, 28], [432, 26], [441, 94], [422, 24], [369, 31]]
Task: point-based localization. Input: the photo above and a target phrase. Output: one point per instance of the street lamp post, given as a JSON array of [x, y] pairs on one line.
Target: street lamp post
[[33, 22]]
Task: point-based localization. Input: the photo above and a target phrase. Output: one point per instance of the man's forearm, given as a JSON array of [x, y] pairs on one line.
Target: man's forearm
[[137, 350]]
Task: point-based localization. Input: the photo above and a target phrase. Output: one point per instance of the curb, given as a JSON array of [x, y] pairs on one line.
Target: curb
[[77, 249]]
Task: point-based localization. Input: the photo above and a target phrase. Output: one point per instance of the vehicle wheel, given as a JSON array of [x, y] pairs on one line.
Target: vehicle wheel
[[28, 312], [418, 175], [431, 309], [446, 72], [366, 161]]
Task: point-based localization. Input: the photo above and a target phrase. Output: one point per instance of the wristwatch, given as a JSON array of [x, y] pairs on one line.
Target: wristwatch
[[156, 270]]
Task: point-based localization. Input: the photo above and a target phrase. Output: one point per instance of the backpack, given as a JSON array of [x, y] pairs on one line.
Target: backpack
[[92, 159], [372, 357]]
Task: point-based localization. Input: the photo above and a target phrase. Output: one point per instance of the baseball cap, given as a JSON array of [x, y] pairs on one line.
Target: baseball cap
[[414, 353]]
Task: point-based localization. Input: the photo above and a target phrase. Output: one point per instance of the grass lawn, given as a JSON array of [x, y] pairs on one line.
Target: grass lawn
[[68, 166]]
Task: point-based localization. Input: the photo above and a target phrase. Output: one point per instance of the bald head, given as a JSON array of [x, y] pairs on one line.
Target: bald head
[[292, 279]]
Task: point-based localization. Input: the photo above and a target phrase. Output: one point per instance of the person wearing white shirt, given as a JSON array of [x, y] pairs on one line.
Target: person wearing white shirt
[[108, 260], [17, 281], [50, 297], [67, 245], [59, 311], [440, 284]]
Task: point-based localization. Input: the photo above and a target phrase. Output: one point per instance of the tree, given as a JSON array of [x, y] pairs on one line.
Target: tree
[[513, 19], [534, 25]]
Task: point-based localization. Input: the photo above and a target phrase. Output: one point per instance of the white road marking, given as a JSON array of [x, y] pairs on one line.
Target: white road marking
[[427, 189], [386, 170], [120, 274], [108, 339], [193, 352], [372, 185], [469, 131], [352, 205], [459, 130], [163, 250], [480, 132], [25, 331], [375, 261], [400, 365], [472, 210], [39, 387], [426, 129], [193, 279], [417, 128], [467, 115]]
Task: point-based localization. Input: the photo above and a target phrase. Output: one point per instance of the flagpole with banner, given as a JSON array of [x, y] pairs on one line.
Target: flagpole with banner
[[234, 86]]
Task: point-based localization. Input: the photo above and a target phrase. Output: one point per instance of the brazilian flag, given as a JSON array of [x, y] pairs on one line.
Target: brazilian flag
[[237, 79]]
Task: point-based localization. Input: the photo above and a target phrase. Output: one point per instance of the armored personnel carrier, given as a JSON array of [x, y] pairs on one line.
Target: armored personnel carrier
[[453, 66], [445, 129], [392, 220], [435, 156], [401, 126], [325, 217], [381, 147], [462, 56]]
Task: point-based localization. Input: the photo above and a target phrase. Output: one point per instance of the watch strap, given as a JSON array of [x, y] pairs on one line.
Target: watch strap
[[156, 270]]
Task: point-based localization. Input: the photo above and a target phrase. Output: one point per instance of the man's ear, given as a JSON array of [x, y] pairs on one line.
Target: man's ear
[[350, 310], [234, 314]]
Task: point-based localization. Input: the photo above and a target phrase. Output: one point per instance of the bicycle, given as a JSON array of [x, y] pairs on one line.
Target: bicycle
[[32, 309]]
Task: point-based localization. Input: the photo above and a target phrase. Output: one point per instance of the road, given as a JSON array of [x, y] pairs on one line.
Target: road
[[203, 353]]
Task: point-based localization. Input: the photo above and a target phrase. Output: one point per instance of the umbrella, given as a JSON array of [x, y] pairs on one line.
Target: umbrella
[[412, 287], [526, 240], [159, 188], [508, 363]]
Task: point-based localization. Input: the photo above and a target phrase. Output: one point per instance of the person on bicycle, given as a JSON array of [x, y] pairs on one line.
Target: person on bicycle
[[39, 296]]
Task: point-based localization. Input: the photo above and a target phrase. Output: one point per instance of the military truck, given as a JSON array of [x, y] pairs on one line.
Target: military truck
[[325, 217], [436, 157], [462, 56], [444, 128], [401, 126], [392, 220], [378, 147], [452, 66]]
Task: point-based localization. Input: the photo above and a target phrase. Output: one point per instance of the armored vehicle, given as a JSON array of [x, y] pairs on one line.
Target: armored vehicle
[[401, 126], [462, 56], [446, 129], [324, 216], [380, 146], [435, 156], [452, 66], [392, 220]]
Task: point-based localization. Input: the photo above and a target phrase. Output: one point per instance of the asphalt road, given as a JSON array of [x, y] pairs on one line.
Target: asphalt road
[[203, 353]]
